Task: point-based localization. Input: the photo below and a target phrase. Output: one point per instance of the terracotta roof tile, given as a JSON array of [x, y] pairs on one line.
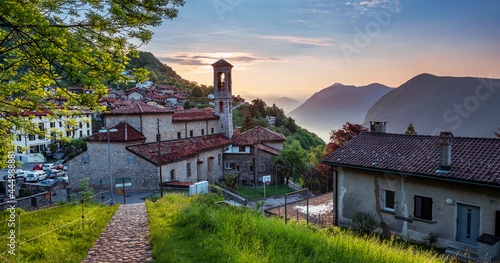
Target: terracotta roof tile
[[193, 115], [125, 133], [221, 63], [140, 108], [473, 159], [176, 150], [268, 149], [257, 135]]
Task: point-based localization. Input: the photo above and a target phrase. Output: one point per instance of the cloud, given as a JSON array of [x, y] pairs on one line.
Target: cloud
[[323, 42], [240, 59], [211, 33]]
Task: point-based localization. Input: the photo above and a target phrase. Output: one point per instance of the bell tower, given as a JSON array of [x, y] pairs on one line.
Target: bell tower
[[223, 97]]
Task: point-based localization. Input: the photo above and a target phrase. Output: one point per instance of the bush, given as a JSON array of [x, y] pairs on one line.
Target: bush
[[363, 223]]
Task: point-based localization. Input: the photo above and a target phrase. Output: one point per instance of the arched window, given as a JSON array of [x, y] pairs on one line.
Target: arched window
[[221, 106], [220, 81]]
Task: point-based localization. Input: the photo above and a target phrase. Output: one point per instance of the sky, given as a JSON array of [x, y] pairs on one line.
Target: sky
[[295, 48]]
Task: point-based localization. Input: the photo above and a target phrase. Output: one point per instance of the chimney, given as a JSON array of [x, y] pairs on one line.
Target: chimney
[[377, 126], [445, 139]]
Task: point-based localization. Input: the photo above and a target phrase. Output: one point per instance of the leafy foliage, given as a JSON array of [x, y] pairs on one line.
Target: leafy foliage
[[342, 136], [363, 223], [410, 130], [291, 160], [47, 45]]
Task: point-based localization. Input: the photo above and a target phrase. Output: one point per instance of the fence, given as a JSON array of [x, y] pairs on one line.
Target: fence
[[30, 214]]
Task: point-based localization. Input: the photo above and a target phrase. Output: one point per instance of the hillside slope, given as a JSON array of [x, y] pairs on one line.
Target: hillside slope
[[332, 107], [466, 106]]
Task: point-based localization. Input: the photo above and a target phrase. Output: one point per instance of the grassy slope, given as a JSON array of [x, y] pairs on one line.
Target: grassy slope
[[196, 230], [68, 244]]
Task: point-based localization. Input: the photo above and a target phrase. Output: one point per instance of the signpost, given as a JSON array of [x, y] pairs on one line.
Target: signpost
[[101, 183], [120, 184], [266, 179]]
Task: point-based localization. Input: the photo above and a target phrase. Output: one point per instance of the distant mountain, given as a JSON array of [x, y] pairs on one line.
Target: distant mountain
[[468, 107], [285, 103], [332, 107]]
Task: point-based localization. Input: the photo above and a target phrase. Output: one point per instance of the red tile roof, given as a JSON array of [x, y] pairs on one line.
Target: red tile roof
[[156, 96], [475, 160], [139, 108], [268, 149], [125, 133], [193, 115], [176, 96], [176, 150], [167, 87], [257, 135]]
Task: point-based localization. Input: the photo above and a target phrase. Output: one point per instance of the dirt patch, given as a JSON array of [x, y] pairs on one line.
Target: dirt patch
[[320, 210]]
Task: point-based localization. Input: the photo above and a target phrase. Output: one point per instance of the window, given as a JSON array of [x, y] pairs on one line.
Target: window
[[172, 175], [218, 159], [178, 135], [227, 166], [423, 207], [191, 133], [52, 125], [212, 130], [19, 137], [202, 131], [238, 168], [41, 137], [80, 124], [31, 137], [68, 134], [81, 133], [60, 125], [241, 149], [251, 169], [188, 169], [88, 132], [389, 200], [221, 106], [19, 150], [88, 124], [41, 126]]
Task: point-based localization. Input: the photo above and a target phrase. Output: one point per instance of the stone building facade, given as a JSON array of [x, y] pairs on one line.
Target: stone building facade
[[250, 156]]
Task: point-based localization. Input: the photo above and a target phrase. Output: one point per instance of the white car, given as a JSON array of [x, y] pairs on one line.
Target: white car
[[21, 176], [48, 166], [35, 176]]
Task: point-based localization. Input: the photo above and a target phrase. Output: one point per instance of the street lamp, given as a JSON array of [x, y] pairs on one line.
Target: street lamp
[[109, 161]]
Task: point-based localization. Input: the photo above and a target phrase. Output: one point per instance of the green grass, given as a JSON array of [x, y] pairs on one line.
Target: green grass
[[195, 229], [67, 244], [257, 193], [155, 196]]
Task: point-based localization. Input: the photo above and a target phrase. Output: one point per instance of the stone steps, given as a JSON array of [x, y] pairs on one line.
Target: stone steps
[[462, 252]]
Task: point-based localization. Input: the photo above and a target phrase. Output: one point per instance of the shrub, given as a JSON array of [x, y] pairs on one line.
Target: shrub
[[363, 223]]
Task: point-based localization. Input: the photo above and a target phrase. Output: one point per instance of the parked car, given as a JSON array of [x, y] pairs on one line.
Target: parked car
[[47, 181], [38, 167], [58, 166], [55, 173], [32, 177], [6, 176], [64, 179], [21, 176], [48, 166]]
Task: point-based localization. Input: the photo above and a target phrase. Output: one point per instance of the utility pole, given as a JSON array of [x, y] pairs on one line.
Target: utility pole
[[158, 137]]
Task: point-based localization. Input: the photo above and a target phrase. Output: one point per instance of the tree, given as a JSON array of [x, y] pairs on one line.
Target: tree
[[410, 130], [342, 136], [248, 123], [197, 92], [48, 45], [291, 159]]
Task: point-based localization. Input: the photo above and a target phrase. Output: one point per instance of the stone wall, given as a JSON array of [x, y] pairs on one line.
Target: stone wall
[[94, 164], [261, 161], [29, 203], [204, 167]]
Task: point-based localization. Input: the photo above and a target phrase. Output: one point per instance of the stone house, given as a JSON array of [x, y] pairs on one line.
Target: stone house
[[416, 185], [186, 144], [250, 156]]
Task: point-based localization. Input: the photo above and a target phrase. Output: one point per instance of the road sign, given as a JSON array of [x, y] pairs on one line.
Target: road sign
[[101, 182], [121, 185], [120, 191], [122, 180], [266, 178]]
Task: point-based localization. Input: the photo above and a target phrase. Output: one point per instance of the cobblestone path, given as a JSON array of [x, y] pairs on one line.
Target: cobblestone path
[[125, 239]]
